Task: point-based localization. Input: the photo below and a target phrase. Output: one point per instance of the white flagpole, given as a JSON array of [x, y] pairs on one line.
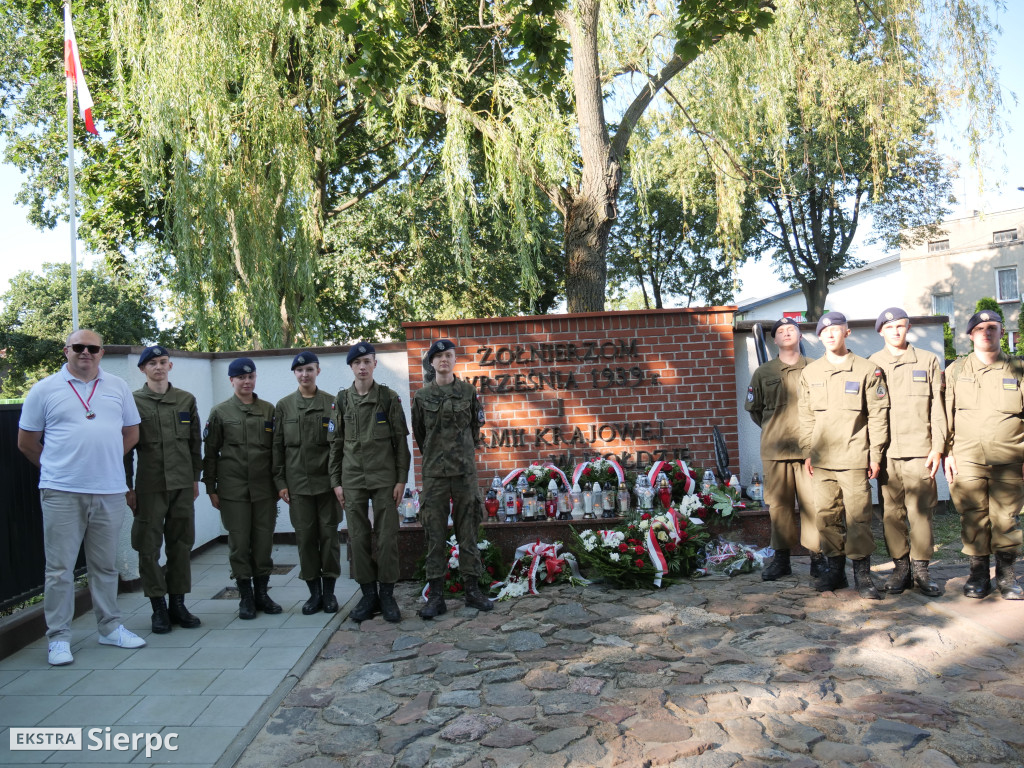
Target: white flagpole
[[71, 191]]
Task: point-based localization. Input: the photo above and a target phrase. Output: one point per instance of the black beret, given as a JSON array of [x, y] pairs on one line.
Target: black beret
[[240, 366], [830, 318], [890, 315], [150, 352], [304, 358], [439, 346], [362, 349], [784, 321], [985, 316]]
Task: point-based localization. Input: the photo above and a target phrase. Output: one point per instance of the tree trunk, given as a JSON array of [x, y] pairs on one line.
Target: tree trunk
[[591, 211], [587, 225], [815, 294]]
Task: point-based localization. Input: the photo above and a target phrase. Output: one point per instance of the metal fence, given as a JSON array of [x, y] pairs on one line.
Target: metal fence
[[22, 562]]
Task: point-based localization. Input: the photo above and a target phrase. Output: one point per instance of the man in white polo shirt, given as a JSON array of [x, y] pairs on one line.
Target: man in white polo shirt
[[76, 426]]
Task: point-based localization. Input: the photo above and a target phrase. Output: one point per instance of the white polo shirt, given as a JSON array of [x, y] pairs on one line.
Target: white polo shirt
[[80, 455]]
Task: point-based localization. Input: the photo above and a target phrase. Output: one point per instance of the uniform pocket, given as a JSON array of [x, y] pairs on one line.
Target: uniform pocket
[[1010, 396], [149, 430], [234, 432], [774, 394], [919, 384], [818, 397], [292, 432], [460, 413]]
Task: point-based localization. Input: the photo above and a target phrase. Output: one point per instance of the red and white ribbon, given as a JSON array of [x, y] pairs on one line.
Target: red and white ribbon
[[666, 466], [578, 472], [515, 473], [546, 555]]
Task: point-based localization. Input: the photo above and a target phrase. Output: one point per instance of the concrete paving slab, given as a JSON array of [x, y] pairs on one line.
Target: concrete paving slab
[[45, 681], [168, 711], [110, 682], [221, 658], [182, 682], [231, 710], [245, 682], [90, 711]]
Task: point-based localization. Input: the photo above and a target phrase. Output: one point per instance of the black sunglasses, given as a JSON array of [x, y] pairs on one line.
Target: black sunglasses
[[80, 348]]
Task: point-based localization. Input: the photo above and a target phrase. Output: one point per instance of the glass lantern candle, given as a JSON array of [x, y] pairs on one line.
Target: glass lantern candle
[[608, 500], [551, 501], [564, 504], [664, 491], [588, 501], [623, 500], [491, 504], [577, 502], [644, 493], [509, 503], [408, 508]]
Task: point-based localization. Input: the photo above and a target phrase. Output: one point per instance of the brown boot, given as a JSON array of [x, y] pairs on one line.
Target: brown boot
[[779, 566], [922, 580], [862, 579], [978, 584], [899, 579], [1005, 578]]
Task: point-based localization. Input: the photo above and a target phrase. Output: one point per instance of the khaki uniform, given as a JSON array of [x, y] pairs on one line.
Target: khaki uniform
[[169, 452], [238, 467], [303, 432], [446, 422], [369, 457], [844, 425], [917, 426], [985, 412], [773, 399]]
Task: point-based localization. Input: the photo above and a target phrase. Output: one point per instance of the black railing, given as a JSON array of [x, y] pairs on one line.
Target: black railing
[[22, 561]]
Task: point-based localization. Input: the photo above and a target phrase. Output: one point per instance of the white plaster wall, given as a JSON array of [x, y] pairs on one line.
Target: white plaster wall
[[925, 334]]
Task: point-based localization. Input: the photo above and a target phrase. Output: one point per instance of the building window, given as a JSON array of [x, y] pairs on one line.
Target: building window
[[1006, 285], [1012, 337], [942, 304], [937, 246], [1004, 236]]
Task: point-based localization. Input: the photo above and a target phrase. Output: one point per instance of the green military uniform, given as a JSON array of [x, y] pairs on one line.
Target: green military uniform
[[238, 467], [917, 427], [303, 433], [369, 457], [446, 422], [169, 464], [773, 398], [844, 426], [985, 412]]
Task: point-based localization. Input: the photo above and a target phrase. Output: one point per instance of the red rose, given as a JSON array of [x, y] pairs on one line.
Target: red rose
[[678, 476], [645, 516], [638, 550], [453, 588], [683, 522], [623, 548], [683, 536], [639, 563], [490, 569], [750, 555], [670, 546], [702, 513], [586, 470], [531, 478]]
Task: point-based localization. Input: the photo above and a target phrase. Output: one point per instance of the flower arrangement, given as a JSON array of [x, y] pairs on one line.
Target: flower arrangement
[[539, 564], [646, 550], [604, 471], [490, 557], [715, 507], [731, 558], [538, 476]]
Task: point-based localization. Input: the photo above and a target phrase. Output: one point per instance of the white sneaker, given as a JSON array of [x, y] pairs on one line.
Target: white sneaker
[[122, 638], [60, 653]]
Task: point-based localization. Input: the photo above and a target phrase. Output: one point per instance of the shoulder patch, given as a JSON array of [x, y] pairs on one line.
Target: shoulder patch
[[750, 394], [206, 431], [878, 371]]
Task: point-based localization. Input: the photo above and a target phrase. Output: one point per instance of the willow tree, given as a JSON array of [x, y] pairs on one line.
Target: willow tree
[[830, 114], [544, 88]]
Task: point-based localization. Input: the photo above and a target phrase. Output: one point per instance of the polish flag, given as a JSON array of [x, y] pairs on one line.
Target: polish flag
[[73, 71]]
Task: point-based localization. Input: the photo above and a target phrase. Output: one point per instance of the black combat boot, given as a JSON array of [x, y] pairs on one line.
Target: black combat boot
[[924, 583], [779, 566], [899, 579], [263, 602], [862, 579], [246, 603], [161, 621], [180, 614], [435, 600], [316, 598], [369, 603], [474, 597], [818, 564], [834, 576], [388, 606], [978, 584], [1005, 578], [330, 601]]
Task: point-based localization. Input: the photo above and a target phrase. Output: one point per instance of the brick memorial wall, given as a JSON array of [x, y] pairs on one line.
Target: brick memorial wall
[[635, 386]]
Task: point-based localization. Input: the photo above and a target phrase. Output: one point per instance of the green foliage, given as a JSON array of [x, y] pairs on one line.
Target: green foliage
[[948, 345], [36, 318]]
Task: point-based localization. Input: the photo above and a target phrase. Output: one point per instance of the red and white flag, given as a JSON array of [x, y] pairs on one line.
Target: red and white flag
[[73, 71]]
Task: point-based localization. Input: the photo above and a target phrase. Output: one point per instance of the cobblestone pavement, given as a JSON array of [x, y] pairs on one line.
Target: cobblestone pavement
[[712, 673]]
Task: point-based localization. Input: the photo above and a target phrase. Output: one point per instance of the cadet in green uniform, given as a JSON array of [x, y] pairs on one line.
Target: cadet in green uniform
[[985, 413], [844, 425], [917, 440], [370, 463], [303, 429], [164, 490], [772, 400], [238, 470], [446, 421]]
